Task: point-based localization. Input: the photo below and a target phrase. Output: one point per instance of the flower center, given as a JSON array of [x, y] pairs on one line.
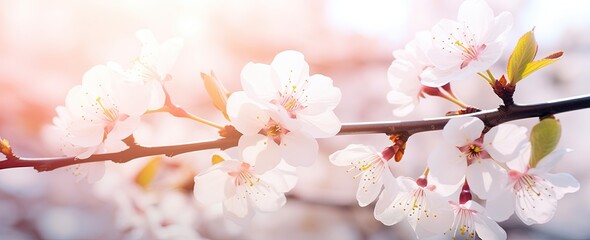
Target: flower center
[[274, 130], [109, 115], [462, 43], [370, 168], [293, 97], [530, 189], [463, 224], [474, 150], [414, 204]]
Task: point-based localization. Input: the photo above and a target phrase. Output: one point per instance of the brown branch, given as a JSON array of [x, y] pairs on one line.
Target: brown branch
[[490, 118]]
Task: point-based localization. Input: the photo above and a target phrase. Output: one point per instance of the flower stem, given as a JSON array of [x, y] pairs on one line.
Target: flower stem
[[486, 78]]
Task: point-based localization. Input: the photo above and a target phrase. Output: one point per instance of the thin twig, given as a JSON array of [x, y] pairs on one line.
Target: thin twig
[[491, 118]]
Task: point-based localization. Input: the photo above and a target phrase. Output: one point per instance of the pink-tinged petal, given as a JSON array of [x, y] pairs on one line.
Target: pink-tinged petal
[[168, 53], [237, 204], [283, 177], [158, 96], [95, 171], [82, 153], [260, 151], [499, 27], [521, 162], [447, 164], [350, 155], [323, 125], [501, 206], [549, 161], [264, 197], [463, 130], [562, 183], [473, 205], [446, 190], [123, 129], [258, 82], [476, 14], [77, 101], [385, 212], [131, 98], [290, 66], [406, 184], [487, 228], [439, 54], [246, 116], [209, 187], [403, 110], [321, 95], [486, 58], [367, 194], [439, 207], [298, 149], [504, 141], [84, 134], [486, 178], [532, 209]]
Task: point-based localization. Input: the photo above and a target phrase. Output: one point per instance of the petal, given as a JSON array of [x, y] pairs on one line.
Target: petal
[[440, 208], [504, 142], [85, 134], [246, 116], [167, 55], [95, 171], [440, 55], [447, 164], [237, 204], [298, 149], [321, 125], [264, 197], [321, 95], [562, 183], [537, 212], [123, 129], [258, 82], [487, 228], [462, 130], [209, 187], [549, 161], [501, 206], [283, 178], [499, 27], [158, 96], [290, 66], [521, 162], [260, 152], [351, 155], [368, 189], [476, 14], [385, 212], [486, 178], [131, 98]]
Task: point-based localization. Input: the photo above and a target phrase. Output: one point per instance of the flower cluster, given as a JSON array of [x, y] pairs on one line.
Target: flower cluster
[[494, 166], [451, 50], [106, 108], [280, 113]]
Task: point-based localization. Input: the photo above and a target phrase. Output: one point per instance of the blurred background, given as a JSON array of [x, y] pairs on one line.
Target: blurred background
[[46, 46]]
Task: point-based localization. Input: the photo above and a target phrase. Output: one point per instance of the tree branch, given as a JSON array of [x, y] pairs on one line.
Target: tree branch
[[491, 118]]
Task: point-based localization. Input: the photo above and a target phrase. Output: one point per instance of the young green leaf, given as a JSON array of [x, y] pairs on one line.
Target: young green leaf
[[217, 92], [536, 65], [544, 138], [524, 53]]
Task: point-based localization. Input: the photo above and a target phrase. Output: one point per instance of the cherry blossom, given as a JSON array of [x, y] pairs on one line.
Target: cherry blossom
[[304, 102], [267, 137], [404, 74], [98, 115], [242, 189], [373, 170], [532, 191], [465, 153], [426, 210], [467, 46], [153, 65], [471, 220]]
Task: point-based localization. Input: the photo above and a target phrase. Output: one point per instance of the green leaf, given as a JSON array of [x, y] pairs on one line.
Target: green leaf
[[215, 159], [524, 53], [544, 138], [536, 65], [217, 92], [146, 175]]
